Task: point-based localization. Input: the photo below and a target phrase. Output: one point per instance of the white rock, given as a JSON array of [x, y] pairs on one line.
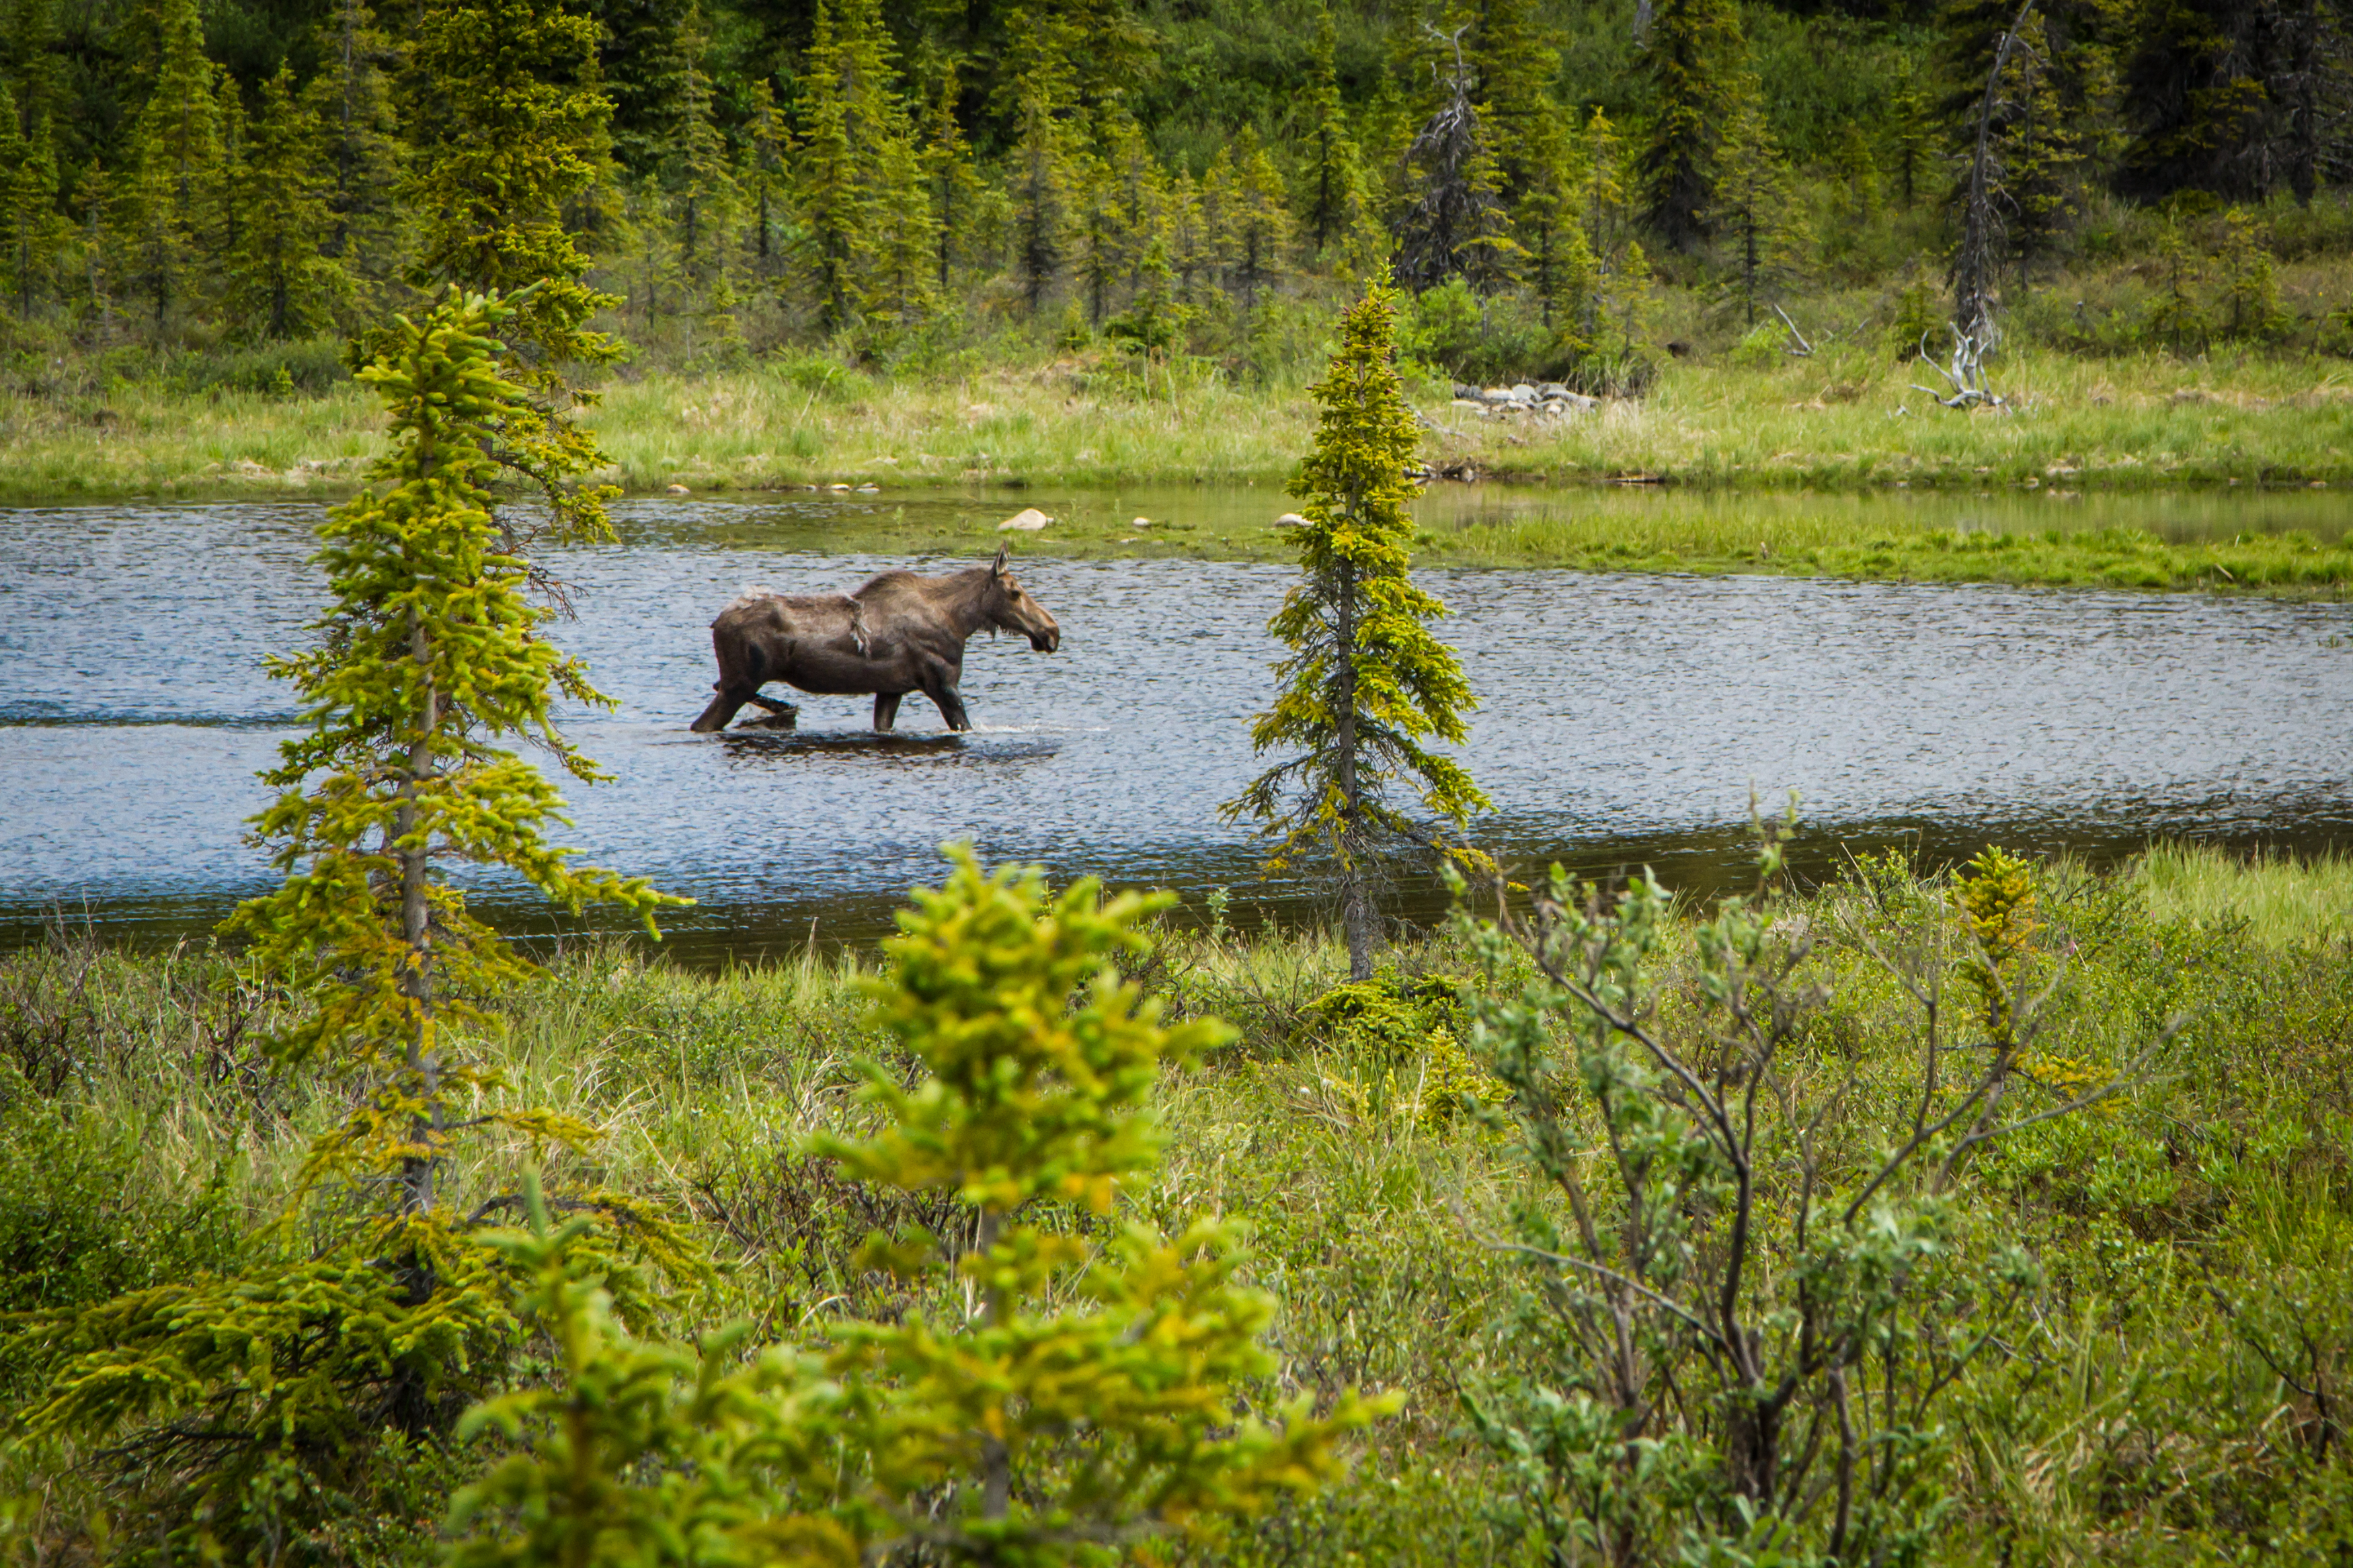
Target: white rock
[[1524, 392], [680, 491], [1291, 519], [837, 487], [1028, 519]]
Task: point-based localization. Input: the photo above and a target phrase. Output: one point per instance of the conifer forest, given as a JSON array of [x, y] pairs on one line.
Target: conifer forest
[[1732, 948]]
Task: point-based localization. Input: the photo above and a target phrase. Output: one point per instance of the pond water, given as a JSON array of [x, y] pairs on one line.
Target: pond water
[[1625, 721]]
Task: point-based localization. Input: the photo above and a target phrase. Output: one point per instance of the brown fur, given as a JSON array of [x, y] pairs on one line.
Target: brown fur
[[899, 633]]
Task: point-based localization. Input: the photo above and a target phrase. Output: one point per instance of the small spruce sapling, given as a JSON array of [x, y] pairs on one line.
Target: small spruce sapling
[[1367, 684], [1046, 1403], [274, 1388]]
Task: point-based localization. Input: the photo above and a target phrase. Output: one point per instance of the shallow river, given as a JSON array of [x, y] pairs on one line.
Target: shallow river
[[1626, 719]]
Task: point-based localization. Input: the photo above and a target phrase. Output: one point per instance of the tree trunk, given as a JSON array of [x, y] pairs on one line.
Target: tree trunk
[[415, 927], [1357, 916]]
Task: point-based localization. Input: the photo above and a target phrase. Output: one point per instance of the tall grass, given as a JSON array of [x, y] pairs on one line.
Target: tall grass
[[1844, 419], [2279, 900], [2182, 1233]]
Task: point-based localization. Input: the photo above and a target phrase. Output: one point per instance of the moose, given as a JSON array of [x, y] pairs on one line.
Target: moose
[[898, 633]]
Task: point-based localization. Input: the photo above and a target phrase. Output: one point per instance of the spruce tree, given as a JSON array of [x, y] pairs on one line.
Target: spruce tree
[[948, 176], [221, 223], [1060, 1392], [709, 201], [2176, 315], [282, 283], [352, 98], [1333, 202], [1041, 92], [507, 123], [366, 1320], [1098, 250], [1754, 208], [2037, 151], [1260, 221], [174, 150], [31, 227], [906, 241], [1514, 57], [1366, 684], [765, 186], [1692, 54], [838, 110], [2250, 304]]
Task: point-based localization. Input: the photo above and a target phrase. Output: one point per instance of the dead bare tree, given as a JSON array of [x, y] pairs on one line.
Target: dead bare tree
[[1981, 224], [1456, 227]]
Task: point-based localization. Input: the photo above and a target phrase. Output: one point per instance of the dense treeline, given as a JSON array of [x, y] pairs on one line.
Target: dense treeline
[[743, 172]]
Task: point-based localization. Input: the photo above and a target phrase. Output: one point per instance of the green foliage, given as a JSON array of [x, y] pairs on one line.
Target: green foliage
[[1694, 56], [1754, 210], [508, 118], [1366, 681], [277, 1391], [1046, 1402], [2248, 310], [1729, 1264], [280, 278]]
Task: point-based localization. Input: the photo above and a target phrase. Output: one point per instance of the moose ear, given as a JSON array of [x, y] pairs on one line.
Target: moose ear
[[1004, 553]]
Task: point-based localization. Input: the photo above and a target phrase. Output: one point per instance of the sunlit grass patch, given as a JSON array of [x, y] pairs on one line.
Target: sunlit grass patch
[[2282, 899]]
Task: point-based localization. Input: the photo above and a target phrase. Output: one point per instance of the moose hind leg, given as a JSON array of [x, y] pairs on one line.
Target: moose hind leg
[[723, 707], [886, 709]]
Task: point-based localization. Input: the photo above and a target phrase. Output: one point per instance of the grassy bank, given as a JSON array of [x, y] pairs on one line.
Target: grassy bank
[[2140, 1407], [1843, 419], [1733, 452]]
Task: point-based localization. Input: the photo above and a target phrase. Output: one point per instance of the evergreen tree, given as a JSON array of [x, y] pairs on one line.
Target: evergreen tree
[[1260, 221], [1514, 58], [1098, 247], [765, 140], [2250, 306], [508, 119], [1365, 683], [174, 149], [947, 174], [95, 197], [642, 65], [1557, 256], [709, 202], [378, 1312], [1042, 91], [1333, 201], [1042, 1399], [2037, 151], [845, 108], [2205, 86], [351, 96], [1755, 210], [906, 241], [2175, 315], [508, 122], [30, 224], [1910, 146], [1693, 55], [1192, 247], [221, 228], [282, 283]]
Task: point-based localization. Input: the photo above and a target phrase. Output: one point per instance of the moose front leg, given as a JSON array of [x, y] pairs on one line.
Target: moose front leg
[[886, 709]]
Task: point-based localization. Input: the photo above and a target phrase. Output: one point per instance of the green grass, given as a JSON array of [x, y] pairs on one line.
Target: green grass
[[2044, 493], [140, 1135], [2279, 901]]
